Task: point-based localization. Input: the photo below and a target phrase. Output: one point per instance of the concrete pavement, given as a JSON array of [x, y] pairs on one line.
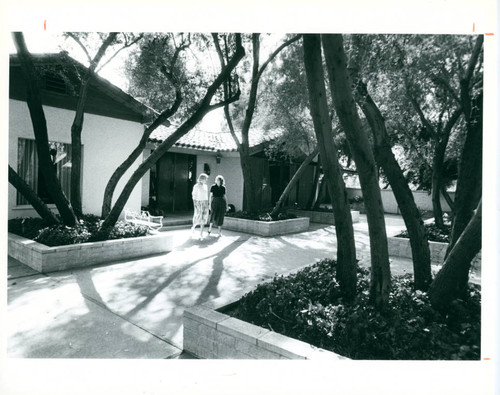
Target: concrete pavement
[[133, 308]]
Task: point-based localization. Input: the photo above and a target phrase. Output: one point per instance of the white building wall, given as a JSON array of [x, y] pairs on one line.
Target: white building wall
[[423, 200], [106, 144]]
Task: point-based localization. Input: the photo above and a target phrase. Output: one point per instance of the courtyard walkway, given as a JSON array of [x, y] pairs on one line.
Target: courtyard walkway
[[133, 308]]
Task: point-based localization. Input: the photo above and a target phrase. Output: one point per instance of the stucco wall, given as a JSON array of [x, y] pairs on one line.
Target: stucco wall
[[422, 200], [106, 143], [230, 168]]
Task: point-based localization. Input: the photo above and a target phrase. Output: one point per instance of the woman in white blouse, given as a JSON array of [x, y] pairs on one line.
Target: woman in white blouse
[[200, 203]]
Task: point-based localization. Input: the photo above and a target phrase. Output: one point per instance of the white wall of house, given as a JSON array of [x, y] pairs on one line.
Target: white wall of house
[[422, 199], [106, 144], [230, 168]]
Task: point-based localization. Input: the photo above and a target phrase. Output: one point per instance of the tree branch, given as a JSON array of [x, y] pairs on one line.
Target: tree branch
[[225, 102], [441, 81], [227, 92], [127, 45], [474, 58], [78, 41], [421, 115], [276, 52]]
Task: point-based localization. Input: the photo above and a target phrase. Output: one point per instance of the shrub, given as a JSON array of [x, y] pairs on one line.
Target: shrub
[[58, 235], [86, 230], [433, 233], [26, 227], [261, 215], [308, 306], [356, 199]]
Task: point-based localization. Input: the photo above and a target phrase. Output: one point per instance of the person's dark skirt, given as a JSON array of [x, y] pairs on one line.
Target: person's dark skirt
[[218, 208]]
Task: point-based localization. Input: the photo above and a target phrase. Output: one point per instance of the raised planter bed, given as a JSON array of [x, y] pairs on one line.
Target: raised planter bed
[[399, 246], [49, 259], [322, 217], [267, 228], [211, 334]]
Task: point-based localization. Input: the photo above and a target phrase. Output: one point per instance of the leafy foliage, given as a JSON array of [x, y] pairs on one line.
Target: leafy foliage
[[426, 69], [434, 233], [308, 306], [261, 215], [58, 235]]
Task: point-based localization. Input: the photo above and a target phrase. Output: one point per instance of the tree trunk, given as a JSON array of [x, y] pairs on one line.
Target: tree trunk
[[33, 199], [449, 283], [39, 123], [77, 126], [204, 108], [252, 184], [346, 251], [469, 183], [340, 85], [385, 158], [437, 170], [448, 199], [120, 171], [293, 181]]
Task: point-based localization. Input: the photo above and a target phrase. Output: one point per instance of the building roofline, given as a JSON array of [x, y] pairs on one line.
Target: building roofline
[[103, 85]]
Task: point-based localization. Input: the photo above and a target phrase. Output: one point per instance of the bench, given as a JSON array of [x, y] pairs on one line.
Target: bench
[[144, 218]]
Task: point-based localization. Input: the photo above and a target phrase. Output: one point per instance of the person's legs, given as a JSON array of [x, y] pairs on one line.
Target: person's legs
[[220, 227]]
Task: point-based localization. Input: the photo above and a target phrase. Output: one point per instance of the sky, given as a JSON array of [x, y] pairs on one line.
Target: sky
[[53, 42]]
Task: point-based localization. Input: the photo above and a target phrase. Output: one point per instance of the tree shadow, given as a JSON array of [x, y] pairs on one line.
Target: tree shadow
[[210, 291], [214, 278]]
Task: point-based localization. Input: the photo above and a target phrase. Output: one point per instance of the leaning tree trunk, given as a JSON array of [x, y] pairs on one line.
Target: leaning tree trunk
[[204, 107], [120, 171], [315, 187], [39, 123], [469, 183], [24, 189], [385, 158], [437, 170], [346, 250], [449, 283], [345, 107], [293, 181]]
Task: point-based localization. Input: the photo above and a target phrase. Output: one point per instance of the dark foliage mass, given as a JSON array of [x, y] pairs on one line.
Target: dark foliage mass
[[434, 233], [262, 215], [308, 307], [85, 231]]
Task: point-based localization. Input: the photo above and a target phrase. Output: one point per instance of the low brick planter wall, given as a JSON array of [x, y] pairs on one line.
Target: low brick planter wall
[[210, 334], [267, 228], [49, 259], [399, 246], [322, 217]]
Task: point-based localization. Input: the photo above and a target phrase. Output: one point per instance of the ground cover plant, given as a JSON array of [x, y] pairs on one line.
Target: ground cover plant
[[85, 231], [262, 215], [434, 233], [308, 306]]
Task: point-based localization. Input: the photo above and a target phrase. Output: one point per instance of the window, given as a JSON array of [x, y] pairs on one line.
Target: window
[[28, 168]]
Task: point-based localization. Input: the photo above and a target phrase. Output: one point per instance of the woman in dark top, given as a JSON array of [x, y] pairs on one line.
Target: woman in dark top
[[218, 204]]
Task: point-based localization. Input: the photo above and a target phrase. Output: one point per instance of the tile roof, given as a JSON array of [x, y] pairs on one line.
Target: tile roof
[[205, 140]]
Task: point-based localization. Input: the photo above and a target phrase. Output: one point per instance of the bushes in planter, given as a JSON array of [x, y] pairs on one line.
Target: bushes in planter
[[58, 235], [261, 216], [307, 306], [433, 233]]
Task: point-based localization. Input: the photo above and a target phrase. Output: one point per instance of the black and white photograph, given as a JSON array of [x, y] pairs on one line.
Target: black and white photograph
[[190, 204]]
